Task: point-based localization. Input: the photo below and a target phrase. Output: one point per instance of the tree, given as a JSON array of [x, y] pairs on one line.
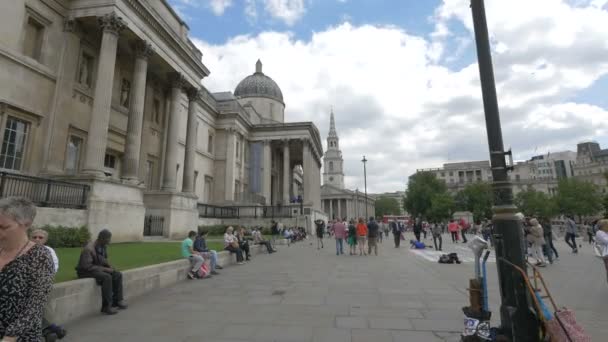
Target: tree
[[387, 206], [442, 207], [476, 198], [422, 186], [581, 198], [536, 203]]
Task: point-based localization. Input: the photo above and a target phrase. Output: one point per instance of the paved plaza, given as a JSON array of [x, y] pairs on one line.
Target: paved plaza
[[305, 294]]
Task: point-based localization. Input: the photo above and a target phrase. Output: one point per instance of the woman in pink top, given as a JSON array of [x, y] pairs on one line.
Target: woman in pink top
[[453, 229], [339, 230]]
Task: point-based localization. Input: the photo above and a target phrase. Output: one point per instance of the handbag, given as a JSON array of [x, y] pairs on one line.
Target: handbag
[[204, 271], [564, 328]]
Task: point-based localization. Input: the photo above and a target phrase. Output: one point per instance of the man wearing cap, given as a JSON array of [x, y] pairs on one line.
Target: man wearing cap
[[94, 263]]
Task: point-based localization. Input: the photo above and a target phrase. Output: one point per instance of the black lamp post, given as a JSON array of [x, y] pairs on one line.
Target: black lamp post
[[365, 184], [517, 319]]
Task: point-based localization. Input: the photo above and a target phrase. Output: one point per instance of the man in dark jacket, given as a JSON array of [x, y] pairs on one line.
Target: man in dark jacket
[[418, 228], [372, 236], [200, 245], [396, 233], [94, 263]]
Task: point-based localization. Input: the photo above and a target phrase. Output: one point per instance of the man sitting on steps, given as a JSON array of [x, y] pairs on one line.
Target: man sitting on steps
[[94, 263], [259, 240], [200, 245]]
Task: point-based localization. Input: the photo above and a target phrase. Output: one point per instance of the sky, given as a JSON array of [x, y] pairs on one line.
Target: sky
[[402, 75]]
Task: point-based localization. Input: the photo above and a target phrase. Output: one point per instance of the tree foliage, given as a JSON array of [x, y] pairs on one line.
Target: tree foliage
[[387, 206], [476, 198], [579, 198], [442, 207], [536, 203], [421, 189]]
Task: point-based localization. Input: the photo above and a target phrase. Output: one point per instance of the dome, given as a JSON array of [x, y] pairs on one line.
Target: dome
[[258, 85]]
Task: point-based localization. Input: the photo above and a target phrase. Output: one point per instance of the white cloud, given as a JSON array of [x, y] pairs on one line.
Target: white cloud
[[219, 6], [288, 11], [400, 106]]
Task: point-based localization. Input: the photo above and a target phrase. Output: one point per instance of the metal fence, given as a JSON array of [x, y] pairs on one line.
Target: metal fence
[[44, 192], [154, 225], [253, 211]]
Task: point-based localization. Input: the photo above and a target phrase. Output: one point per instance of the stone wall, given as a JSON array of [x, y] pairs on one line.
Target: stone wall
[[60, 217], [75, 299]]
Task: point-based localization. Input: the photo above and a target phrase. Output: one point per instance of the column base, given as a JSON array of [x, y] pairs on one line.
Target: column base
[[178, 210]]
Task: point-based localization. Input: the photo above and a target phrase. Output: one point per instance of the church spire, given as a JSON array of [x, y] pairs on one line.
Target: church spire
[[332, 125]]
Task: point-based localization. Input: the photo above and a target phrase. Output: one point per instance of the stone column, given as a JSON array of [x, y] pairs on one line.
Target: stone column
[[191, 138], [170, 175], [286, 171], [307, 166], [143, 50], [111, 25], [230, 163], [331, 209], [267, 174]]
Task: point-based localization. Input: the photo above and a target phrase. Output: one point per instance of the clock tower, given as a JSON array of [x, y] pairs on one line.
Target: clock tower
[[333, 164]]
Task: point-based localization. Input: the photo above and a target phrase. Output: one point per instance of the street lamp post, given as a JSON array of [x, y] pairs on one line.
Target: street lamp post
[[517, 319], [357, 203], [365, 184]]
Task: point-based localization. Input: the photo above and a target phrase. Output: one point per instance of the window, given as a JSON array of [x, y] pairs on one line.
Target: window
[[34, 33], [331, 166], [207, 191], [85, 70], [14, 144], [149, 174], [109, 161], [443, 174], [451, 173], [72, 158], [210, 143]]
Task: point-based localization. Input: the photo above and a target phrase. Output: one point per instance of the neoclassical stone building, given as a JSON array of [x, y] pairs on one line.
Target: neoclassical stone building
[[108, 94], [339, 202]]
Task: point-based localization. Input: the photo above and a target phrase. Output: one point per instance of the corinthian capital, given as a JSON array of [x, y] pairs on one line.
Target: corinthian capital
[[111, 23], [193, 93], [177, 80], [142, 49]]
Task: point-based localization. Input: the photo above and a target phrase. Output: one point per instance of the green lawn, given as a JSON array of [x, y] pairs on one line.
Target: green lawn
[[124, 256]]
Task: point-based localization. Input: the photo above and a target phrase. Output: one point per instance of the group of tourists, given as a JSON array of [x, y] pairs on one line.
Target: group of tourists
[[359, 235]]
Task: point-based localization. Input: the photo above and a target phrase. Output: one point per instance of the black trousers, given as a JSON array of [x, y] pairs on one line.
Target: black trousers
[[464, 236], [571, 240], [454, 235], [397, 239], [435, 238], [111, 286], [237, 251], [417, 234], [245, 247]]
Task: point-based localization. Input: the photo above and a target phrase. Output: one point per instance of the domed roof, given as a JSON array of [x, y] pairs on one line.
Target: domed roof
[[258, 85]]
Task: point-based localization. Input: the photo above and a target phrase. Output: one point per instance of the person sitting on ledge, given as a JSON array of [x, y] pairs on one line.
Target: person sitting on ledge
[[259, 240], [231, 244], [243, 242], [200, 245], [195, 258], [94, 263]]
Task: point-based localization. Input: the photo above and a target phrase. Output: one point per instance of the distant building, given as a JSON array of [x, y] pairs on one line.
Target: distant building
[[592, 164], [337, 201], [540, 173]]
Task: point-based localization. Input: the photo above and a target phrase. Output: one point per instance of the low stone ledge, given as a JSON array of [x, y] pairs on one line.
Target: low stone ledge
[[79, 298]]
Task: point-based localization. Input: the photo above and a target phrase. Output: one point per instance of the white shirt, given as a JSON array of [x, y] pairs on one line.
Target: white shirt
[[601, 238], [55, 259], [228, 239]]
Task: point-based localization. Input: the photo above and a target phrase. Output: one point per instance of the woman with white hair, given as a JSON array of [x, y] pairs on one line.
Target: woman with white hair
[[26, 273], [537, 239], [231, 244], [41, 237]]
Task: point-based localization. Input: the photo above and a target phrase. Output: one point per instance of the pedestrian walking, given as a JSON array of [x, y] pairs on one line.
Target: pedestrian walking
[[417, 228], [380, 231], [352, 237], [536, 236], [339, 230], [396, 233], [453, 229], [436, 231], [320, 230], [361, 236], [590, 232], [601, 238], [372, 235], [464, 228], [548, 247], [571, 231]]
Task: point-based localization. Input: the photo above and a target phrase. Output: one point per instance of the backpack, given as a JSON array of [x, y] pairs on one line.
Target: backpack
[[204, 271]]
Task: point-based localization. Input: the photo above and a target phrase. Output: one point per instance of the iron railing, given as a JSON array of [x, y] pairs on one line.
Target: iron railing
[[154, 225], [44, 192], [253, 211]]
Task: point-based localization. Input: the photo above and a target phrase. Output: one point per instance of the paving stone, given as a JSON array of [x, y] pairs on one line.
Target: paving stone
[[331, 335], [415, 336], [390, 323], [371, 335], [438, 324], [351, 322]]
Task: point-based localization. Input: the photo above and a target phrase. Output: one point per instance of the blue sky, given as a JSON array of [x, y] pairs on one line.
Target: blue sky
[[403, 73]]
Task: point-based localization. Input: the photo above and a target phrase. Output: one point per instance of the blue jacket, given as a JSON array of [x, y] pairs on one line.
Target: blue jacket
[[200, 245]]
